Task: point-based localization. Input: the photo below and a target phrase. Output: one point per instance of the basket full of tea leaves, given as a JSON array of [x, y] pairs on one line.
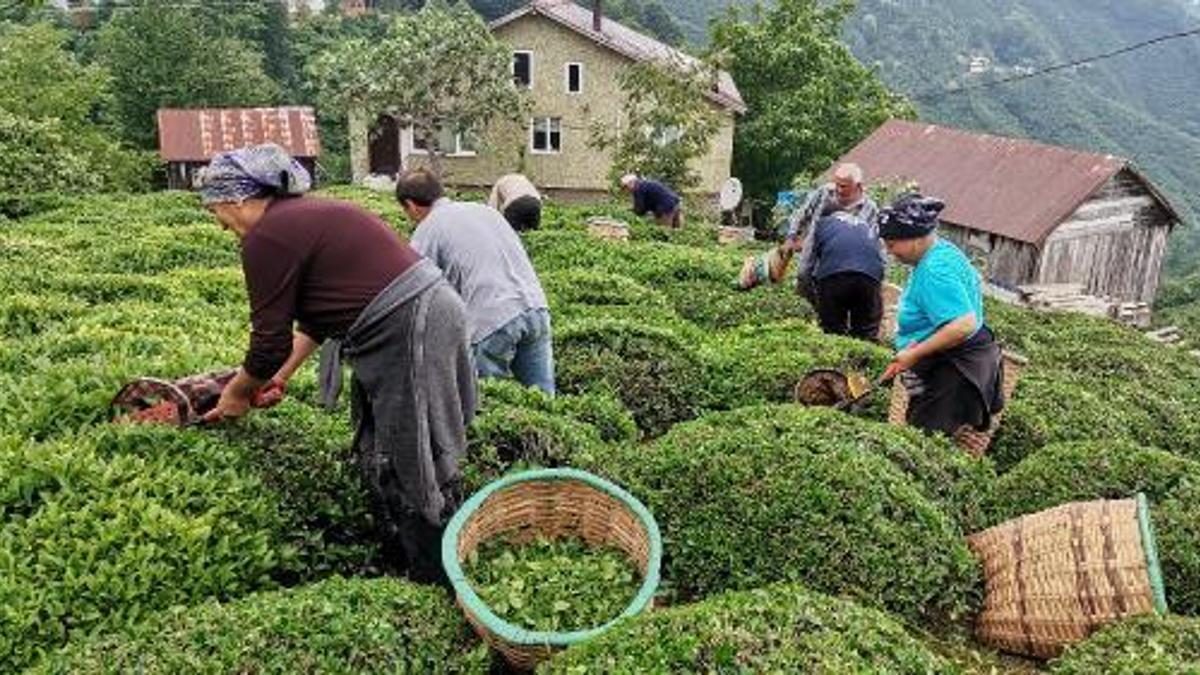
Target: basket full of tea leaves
[[544, 559]]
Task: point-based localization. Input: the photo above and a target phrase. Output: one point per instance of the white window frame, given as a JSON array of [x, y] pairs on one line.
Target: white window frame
[[513, 68], [549, 126], [567, 78], [456, 151]]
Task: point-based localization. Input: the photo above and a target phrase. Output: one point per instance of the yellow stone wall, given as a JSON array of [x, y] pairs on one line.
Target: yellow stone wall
[[507, 148]]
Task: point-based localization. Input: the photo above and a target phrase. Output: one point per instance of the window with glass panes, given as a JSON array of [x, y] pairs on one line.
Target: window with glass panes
[[547, 134]]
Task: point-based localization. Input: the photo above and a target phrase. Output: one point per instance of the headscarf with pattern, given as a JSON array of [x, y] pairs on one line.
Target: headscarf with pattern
[[254, 171], [912, 215]]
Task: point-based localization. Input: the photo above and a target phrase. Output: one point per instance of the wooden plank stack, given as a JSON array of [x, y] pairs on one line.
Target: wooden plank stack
[[1072, 298]]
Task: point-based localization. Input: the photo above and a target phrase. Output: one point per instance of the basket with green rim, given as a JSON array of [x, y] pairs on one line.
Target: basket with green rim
[[551, 504]]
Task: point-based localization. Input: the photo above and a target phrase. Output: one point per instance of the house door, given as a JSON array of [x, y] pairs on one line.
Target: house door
[[385, 146]]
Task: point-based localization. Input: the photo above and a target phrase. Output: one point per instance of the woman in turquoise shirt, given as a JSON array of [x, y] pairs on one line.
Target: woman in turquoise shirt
[[947, 358]]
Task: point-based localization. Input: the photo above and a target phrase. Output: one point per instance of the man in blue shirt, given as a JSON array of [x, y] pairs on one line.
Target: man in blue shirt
[[651, 196], [947, 358], [846, 262]]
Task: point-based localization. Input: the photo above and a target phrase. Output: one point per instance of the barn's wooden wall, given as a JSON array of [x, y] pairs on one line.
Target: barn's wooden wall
[[1113, 244], [1008, 262]]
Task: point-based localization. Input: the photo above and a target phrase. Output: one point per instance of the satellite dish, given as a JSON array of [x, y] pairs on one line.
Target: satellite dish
[[731, 194]]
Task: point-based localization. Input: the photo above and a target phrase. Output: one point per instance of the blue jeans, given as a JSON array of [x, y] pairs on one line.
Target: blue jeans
[[520, 348]]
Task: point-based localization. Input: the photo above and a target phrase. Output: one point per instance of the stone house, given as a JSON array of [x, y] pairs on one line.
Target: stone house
[[570, 58]]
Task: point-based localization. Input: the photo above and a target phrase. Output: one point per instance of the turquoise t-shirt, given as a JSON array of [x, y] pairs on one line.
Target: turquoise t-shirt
[[943, 286]]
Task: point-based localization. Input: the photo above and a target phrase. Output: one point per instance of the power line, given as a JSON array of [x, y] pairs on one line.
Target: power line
[[929, 95]]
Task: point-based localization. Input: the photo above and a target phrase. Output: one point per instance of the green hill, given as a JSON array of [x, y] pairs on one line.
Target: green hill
[[1144, 105]]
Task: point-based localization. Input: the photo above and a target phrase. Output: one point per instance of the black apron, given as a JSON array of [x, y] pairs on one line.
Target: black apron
[[962, 385]]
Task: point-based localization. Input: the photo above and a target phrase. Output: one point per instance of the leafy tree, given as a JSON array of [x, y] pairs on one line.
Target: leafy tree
[[809, 99], [162, 55], [437, 69], [669, 122], [47, 155], [39, 78], [49, 106]]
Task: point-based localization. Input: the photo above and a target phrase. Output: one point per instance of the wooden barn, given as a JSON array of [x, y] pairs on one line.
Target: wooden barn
[[1039, 214], [189, 139]]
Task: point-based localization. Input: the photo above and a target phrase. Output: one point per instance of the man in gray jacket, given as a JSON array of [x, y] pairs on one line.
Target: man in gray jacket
[[483, 258]]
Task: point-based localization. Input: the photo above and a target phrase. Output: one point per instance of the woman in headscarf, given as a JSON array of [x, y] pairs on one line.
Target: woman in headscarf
[[947, 357], [321, 270]]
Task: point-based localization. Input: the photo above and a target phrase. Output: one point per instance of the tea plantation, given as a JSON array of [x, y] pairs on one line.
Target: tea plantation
[[796, 540]]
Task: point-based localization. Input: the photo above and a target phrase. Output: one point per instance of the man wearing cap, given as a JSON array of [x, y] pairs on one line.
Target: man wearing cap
[[322, 270], [947, 357], [484, 260], [516, 197], [651, 196]]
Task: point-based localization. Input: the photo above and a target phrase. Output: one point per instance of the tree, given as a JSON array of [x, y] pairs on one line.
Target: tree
[[162, 55], [39, 78], [49, 108], [670, 122], [439, 69], [809, 99]]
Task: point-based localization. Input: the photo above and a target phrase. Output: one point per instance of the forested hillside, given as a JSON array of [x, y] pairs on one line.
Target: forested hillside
[[1141, 105], [1144, 105]]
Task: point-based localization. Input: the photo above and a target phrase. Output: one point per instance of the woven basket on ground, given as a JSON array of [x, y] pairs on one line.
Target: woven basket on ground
[[890, 299], [548, 503], [608, 229], [973, 441], [1056, 576]]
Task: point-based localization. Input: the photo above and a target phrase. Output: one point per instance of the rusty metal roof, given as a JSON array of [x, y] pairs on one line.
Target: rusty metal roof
[[1011, 187], [196, 135], [625, 41]]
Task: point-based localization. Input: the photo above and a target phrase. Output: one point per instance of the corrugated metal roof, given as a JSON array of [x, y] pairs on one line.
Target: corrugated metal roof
[[1011, 187], [196, 135], [623, 40]]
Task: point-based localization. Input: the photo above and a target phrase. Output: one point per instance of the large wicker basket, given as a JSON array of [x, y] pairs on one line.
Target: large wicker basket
[[1056, 576], [549, 503], [975, 442]]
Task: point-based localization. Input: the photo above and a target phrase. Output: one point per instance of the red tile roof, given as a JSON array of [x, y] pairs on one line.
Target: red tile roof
[[623, 40], [1011, 187], [197, 135]]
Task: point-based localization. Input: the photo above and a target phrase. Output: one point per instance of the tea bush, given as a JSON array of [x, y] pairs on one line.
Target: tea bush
[[603, 411], [778, 629], [1094, 379], [658, 376], [957, 483], [1086, 470], [505, 438], [739, 508], [763, 363], [1139, 646], [335, 626], [1177, 528], [93, 541]]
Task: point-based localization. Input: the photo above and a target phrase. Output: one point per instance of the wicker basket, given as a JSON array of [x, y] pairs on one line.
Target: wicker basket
[[1056, 576], [973, 441], [608, 229], [549, 503], [890, 299]]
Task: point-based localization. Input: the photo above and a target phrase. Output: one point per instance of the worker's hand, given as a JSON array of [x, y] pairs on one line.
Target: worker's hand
[[270, 394], [904, 360], [230, 406]]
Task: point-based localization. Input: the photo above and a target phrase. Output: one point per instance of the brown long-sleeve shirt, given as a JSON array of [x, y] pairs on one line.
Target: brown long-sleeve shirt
[[316, 262]]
